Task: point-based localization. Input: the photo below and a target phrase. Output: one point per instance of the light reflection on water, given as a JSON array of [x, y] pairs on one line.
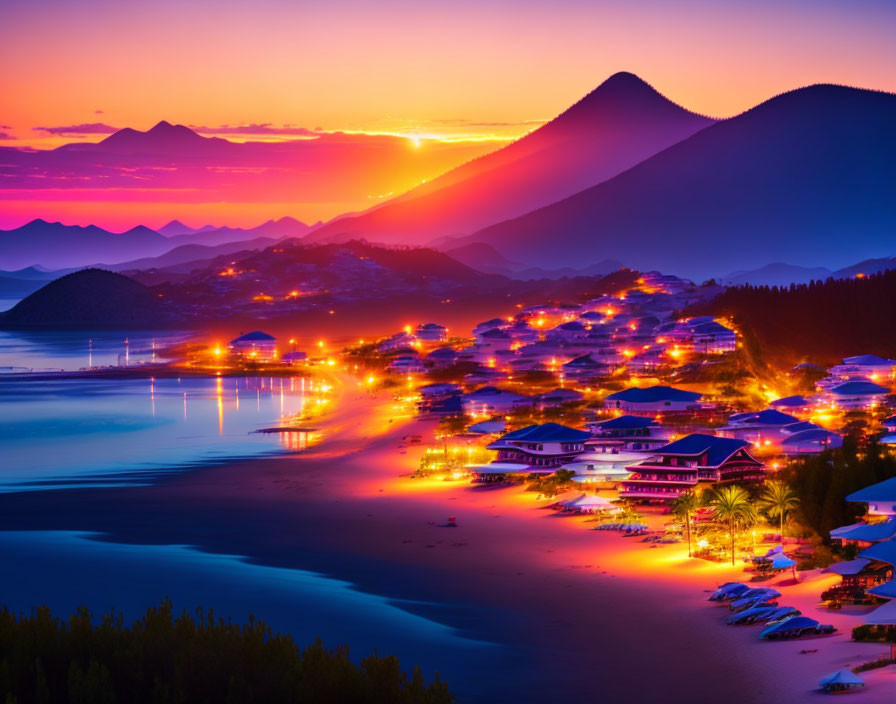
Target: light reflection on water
[[68, 432], [74, 350]]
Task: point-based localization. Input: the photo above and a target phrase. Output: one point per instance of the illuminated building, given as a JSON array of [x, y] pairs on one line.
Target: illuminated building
[[685, 464]]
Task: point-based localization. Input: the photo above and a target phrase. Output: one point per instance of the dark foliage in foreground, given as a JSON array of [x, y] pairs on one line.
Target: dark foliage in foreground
[[164, 658], [822, 483], [830, 319]]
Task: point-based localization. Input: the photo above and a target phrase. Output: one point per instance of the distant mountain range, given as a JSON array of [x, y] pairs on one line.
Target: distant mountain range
[[57, 246], [780, 274], [623, 176], [622, 122], [806, 176]]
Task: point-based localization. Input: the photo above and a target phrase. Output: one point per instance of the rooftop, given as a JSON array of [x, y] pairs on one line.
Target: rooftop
[[626, 423], [718, 449], [548, 432], [859, 388], [654, 394], [882, 491], [254, 336]]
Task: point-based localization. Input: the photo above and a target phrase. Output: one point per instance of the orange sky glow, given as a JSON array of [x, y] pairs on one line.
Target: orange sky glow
[[471, 75]]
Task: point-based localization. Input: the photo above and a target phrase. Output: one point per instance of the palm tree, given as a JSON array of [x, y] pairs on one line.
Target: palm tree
[[731, 504], [683, 506], [778, 500]]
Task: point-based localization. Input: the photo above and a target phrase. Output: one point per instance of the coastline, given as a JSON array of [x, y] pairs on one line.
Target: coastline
[[573, 611]]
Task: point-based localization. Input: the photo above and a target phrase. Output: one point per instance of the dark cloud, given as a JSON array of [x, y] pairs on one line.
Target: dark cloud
[[86, 128], [5, 135], [98, 112], [264, 128]]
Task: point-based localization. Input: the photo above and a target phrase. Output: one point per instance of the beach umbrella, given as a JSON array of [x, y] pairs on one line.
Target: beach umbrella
[[782, 562], [843, 676]]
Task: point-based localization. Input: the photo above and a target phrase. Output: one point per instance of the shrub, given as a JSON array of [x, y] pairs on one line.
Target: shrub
[[167, 658]]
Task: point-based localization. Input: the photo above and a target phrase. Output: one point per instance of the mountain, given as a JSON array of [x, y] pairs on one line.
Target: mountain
[[163, 139], [777, 274], [192, 256], [175, 228], [806, 176], [622, 122], [91, 298], [867, 267], [482, 257], [58, 246]]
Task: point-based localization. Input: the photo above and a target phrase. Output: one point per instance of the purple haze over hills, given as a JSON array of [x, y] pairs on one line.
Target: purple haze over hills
[[620, 123], [56, 246], [805, 177]]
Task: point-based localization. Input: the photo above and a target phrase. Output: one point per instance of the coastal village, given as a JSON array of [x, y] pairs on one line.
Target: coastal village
[[649, 424]]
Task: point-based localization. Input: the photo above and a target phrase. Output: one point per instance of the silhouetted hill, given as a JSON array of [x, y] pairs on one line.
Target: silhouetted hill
[[825, 320], [58, 246], [620, 123], [91, 298], [806, 176], [776, 274], [163, 138]]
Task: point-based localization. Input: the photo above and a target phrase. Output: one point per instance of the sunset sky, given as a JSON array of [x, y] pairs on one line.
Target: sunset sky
[[485, 70]]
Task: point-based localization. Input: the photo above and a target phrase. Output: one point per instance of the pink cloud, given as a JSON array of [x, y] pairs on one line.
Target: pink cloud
[[85, 128]]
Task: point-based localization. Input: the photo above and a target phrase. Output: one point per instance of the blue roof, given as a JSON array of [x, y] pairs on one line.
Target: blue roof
[[767, 417], [869, 533], [801, 426], [254, 336], [719, 449], [443, 353], [626, 423], [811, 435], [871, 360], [573, 325], [851, 388], [882, 491], [790, 402], [711, 328], [889, 421], [547, 432], [654, 394], [585, 361], [884, 551], [887, 590]]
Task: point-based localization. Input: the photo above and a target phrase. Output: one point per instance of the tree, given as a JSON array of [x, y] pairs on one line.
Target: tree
[[778, 500], [732, 504], [683, 506]]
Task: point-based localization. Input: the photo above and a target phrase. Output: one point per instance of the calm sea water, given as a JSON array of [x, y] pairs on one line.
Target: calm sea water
[[71, 351], [102, 575], [73, 432]]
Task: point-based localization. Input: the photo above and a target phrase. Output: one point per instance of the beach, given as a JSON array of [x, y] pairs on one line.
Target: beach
[[564, 611]]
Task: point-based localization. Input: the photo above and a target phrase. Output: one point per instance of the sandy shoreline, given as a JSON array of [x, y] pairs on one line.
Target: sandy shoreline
[[576, 612]]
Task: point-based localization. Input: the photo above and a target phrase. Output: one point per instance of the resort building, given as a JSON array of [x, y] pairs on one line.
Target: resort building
[[431, 332], [630, 433], [687, 463], [855, 395], [255, 345], [761, 428], [653, 399], [809, 442], [535, 449], [865, 366], [558, 397], [713, 338], [871, 574], [585, 367], [490, 400]]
